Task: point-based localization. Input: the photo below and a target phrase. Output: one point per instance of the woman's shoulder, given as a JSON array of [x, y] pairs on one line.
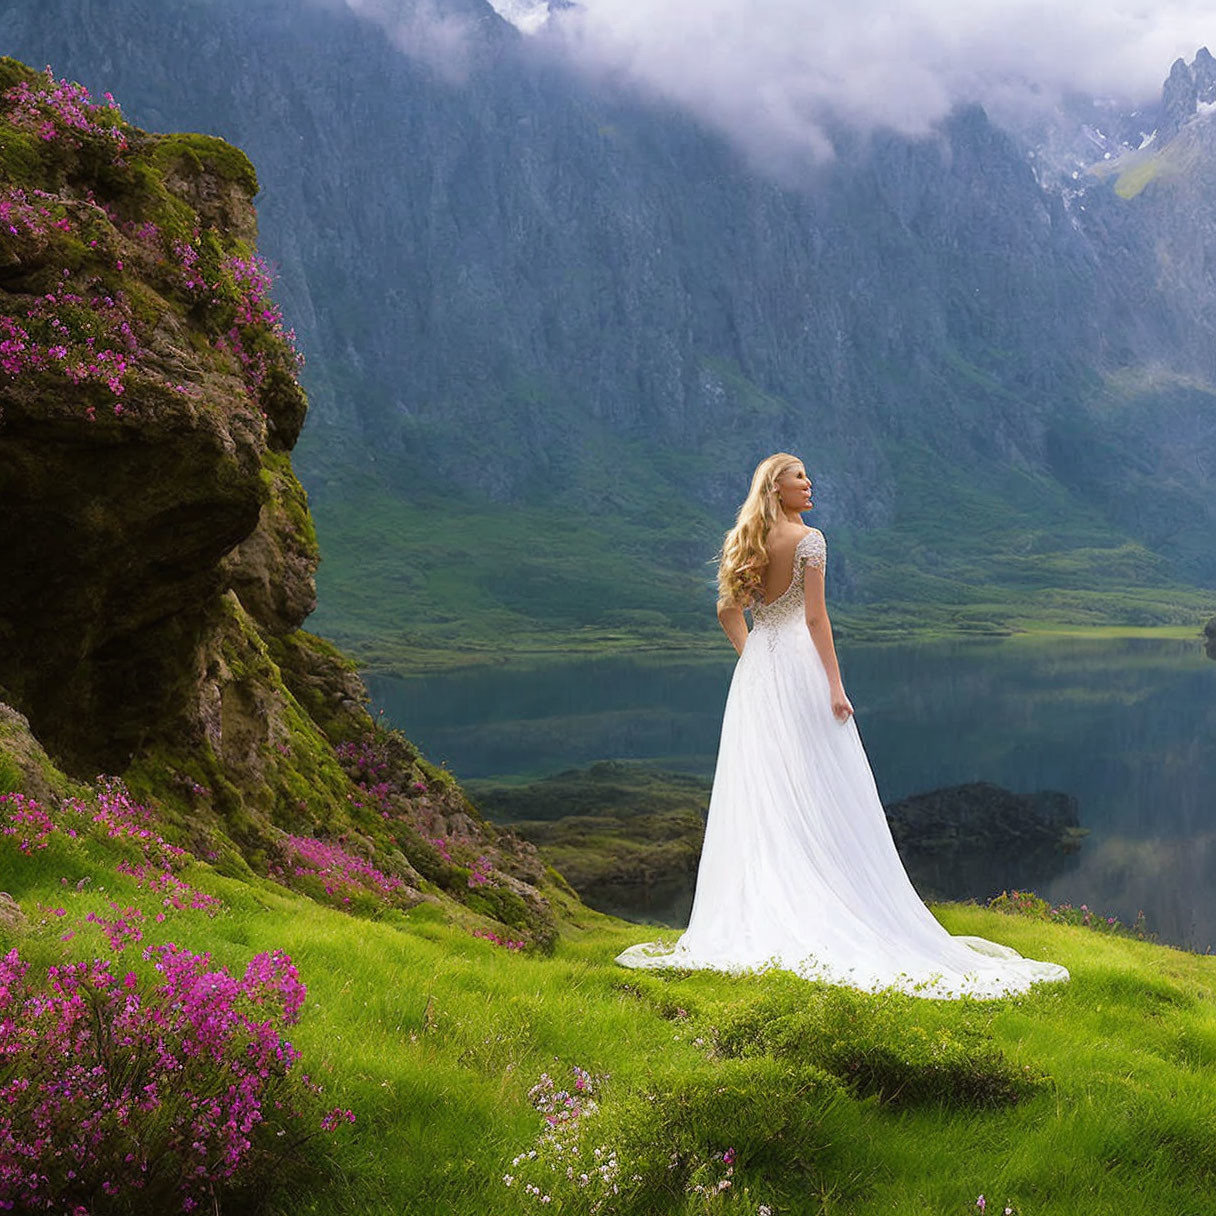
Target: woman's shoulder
[[812, 546]]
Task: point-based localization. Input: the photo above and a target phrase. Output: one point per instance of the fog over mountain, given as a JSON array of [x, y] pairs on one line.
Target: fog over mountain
[[779, 75]]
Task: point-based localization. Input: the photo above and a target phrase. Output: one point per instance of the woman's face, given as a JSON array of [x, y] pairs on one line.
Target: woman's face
[[794, 490]]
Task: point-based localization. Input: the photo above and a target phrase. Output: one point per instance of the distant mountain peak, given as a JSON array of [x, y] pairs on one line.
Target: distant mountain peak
[[1179, 97], [1204, 71], [528, 16]]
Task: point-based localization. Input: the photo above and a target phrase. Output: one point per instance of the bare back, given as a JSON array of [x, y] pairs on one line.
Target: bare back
[[780, 543]]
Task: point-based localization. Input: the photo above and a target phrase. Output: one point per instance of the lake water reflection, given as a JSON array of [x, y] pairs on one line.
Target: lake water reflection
[[1127, 726]]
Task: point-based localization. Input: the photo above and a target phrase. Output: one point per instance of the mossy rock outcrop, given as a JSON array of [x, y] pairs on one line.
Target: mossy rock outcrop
[[157, 548]]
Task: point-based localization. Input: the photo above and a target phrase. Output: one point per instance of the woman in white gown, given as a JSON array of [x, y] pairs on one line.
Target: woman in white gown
[[798, 869]]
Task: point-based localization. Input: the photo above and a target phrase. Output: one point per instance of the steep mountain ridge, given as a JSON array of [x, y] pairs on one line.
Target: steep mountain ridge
[[520, 288]]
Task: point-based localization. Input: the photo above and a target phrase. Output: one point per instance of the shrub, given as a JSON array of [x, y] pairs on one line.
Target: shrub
[[1027, 903], [120, 1096], [683, 1136], [874, 1044]]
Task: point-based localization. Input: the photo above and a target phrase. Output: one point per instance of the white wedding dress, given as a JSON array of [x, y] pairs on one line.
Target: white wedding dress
[[799, 870]]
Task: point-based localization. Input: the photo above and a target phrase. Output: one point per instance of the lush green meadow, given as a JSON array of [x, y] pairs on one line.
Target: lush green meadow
[[1094, 1096], [417, 585]]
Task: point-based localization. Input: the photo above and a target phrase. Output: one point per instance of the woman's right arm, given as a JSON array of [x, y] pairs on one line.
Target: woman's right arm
[[730, 617], [820, 629]]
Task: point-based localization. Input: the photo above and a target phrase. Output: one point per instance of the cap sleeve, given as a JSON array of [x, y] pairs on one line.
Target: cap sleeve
[[813, 549]]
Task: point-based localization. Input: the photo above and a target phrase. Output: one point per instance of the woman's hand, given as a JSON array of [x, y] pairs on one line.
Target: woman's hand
[[842, 707]]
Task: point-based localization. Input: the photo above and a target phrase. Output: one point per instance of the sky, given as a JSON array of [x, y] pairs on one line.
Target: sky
[[768, 72]]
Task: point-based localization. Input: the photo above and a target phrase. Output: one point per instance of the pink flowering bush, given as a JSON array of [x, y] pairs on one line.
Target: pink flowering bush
[[507, 943], [337, 873], [83, 328], [123, 929], [363, 761], [62, 111], [84, 338], [234, 293], [112, 813], [32, 219], [1027, 903], [121, 1095], [441, 836], [24, 820], [480, 872]]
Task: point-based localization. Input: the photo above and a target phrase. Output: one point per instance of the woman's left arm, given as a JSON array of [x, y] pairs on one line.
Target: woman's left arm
[[730, 617]]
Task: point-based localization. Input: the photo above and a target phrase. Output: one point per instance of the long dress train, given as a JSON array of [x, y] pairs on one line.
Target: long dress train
[[798, 870]]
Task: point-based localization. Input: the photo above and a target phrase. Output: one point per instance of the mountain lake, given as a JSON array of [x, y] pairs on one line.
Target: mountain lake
[[1127, 726]]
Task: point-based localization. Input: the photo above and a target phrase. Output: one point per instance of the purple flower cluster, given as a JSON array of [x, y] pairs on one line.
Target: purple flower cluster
[[34, 216], [507, 943], [362, 760], [123, 930], [87, 334], [111, 812], [382, 789], [564, 1105], [85, 338], [342, 874], [257, 317], [62, 109], [1027, 903], [336, 1117], [113, 1091], [178, 894], [23, 818], [480, 872], [370, 771]]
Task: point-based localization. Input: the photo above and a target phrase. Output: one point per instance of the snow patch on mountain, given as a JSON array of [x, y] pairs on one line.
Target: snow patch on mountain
[[526, 15]]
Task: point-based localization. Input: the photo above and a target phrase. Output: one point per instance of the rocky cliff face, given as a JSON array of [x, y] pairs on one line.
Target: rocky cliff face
[[148, 400], [157, 548]]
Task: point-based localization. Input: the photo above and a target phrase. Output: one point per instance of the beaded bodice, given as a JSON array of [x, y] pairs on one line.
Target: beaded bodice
[[811, 550]]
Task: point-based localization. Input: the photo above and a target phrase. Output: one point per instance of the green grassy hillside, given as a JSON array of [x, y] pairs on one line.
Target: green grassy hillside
[[1092, 1096]]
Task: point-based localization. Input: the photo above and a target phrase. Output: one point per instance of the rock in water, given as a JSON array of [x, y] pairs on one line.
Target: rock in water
[[970, 841]]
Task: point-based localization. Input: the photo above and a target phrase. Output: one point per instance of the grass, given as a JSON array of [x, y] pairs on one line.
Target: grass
[[1090, 1096], [410, 584]]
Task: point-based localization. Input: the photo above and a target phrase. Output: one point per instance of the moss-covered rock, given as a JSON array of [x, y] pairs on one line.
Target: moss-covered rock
[[158, 551], [24, 765]]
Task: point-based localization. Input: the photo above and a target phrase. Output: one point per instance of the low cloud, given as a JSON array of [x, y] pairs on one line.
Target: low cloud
[[776, 75], [430, 31], [772, 73]]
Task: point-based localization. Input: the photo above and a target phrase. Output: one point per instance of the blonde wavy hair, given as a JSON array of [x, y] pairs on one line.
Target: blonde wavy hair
[[744, 554]]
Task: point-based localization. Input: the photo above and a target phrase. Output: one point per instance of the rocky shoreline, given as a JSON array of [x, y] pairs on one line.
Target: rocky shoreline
[[628, 838]]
